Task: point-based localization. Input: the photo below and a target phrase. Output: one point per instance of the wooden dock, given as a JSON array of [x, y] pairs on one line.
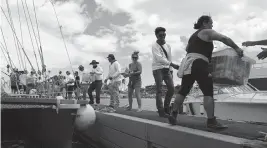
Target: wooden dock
[[131, 129]]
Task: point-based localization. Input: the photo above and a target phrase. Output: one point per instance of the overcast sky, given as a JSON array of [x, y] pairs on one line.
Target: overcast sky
[[94, 28]]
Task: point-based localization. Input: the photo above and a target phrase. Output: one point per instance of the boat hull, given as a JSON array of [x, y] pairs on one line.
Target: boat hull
[[39, 127], [237, 111]]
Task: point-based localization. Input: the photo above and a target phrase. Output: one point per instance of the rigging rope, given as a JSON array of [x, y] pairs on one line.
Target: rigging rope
[[30, 35], [60, 28], [40, 43], [6, 46], [23, 59], [33, 33], [16, 37], [4, 55], [12, 25]]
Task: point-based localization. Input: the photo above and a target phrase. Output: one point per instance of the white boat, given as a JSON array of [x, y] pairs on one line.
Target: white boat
[[241, 103], [258, 76]]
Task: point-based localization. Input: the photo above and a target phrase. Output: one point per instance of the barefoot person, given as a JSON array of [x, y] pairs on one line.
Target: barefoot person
[[195, 68], [97, 78], [135, 83], [262, 55], [162, 67], [114, 76]]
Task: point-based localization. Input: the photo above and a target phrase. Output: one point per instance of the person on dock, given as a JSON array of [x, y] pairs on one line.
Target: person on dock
[[135, 82], [96, 82], [14, 78], [162, 71], [31, 82], [85, 81], [195, 68], [61, 82], [114, 77], [69, 84], [262, 55], [23, 80], [77, 85]]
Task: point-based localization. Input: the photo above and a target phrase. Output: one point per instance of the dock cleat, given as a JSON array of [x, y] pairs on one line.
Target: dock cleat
[[214, 124]]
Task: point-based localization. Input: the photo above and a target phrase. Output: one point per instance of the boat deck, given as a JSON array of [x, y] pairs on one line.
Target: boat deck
[[249, 131]]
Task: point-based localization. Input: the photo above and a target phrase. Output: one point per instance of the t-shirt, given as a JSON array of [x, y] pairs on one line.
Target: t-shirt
[[23, 79], [134, 67], [70, 78]]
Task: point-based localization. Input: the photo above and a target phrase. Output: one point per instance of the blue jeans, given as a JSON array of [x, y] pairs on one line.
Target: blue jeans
[[166, 76]]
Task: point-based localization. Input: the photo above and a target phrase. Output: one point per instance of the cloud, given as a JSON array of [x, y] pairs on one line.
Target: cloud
[[94, 28], [72, 17]]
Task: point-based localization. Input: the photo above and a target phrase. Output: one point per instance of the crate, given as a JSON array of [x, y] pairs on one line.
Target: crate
[[229, 69]]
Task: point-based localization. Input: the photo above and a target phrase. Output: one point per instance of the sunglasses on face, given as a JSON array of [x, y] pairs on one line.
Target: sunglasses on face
[[161, 35]]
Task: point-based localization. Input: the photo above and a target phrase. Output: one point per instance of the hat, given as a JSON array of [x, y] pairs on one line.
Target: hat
[[94, 62], [111, 56]]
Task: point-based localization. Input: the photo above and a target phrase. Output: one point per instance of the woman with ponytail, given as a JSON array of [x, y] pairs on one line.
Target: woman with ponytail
[[135, 82], [194, 67]]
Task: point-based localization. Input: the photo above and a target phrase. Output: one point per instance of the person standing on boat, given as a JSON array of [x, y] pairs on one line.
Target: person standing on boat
[[262, 55], [162, 71], [61, 82], [77, 85], [135, 82], [194, 67], [23, 80], [70, 84], [31, 82], [85, 81], [14, 78], [114, 76], [96, 82]]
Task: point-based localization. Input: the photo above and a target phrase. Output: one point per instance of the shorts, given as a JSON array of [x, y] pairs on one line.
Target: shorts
[[70, 89], [23, 87], [14, 87], [200, 73]]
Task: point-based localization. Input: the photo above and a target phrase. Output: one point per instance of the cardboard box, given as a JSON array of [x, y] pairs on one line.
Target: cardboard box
[[229, 69]]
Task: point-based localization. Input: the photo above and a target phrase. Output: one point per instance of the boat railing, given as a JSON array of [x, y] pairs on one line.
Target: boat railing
[[231, 90]]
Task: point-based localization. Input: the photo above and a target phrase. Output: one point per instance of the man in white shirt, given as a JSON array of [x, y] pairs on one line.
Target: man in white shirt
[[162, 71], [70, 84], [31, 82], [114, 76], [23, 80], [85, 81], [97, 77]]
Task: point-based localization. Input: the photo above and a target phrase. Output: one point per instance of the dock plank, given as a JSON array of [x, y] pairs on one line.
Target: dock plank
[[236, 129]]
